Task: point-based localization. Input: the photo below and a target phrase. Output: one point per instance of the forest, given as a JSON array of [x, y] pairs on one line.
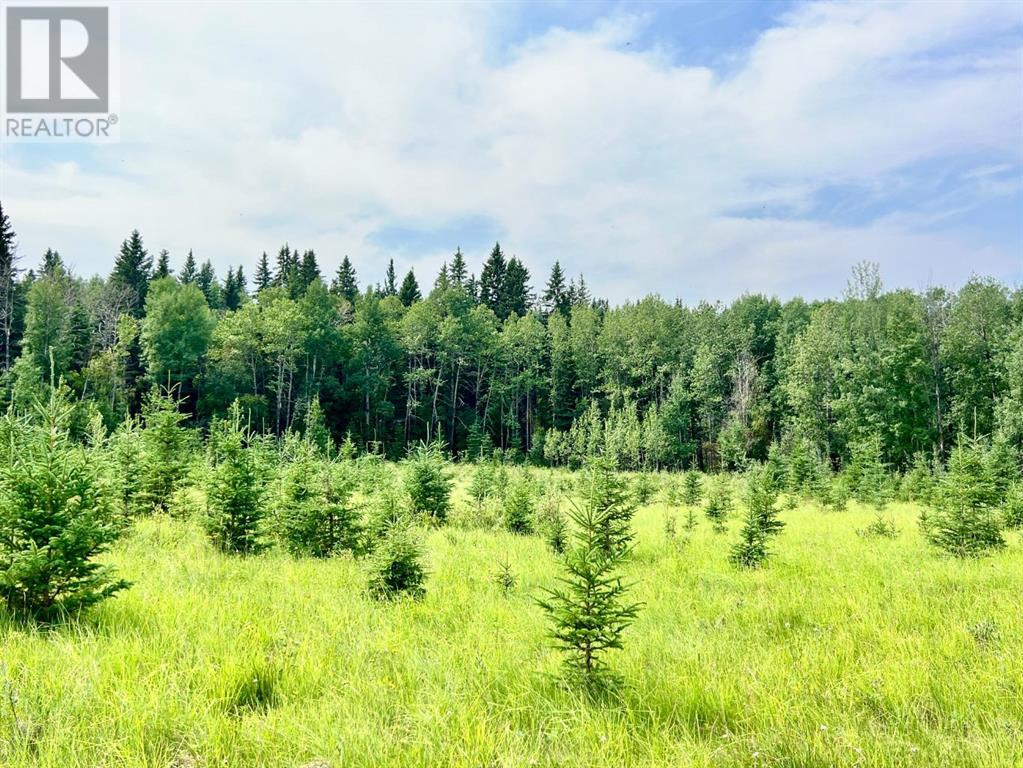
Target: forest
[[481, 361], [309, 522]]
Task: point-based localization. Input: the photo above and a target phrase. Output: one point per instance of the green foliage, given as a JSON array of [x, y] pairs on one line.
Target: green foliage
[[56, 517], [551, 522], [395, 567], [919, 483], [505, 578], [1012, 514], [588, 612], [761, 522], [719, 503], [607, 492], [428, 483], [317, 516], [165, 450], [518, 506], [965, 523], [692, 488], [235, 497], [643, 488]]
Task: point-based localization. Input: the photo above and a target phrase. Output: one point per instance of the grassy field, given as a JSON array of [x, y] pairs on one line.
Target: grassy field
[[843, 651]]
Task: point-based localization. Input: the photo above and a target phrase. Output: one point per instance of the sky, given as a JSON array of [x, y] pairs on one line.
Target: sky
[[698, 151]]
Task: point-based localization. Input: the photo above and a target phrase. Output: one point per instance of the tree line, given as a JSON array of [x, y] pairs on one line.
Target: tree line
[[482, 362]]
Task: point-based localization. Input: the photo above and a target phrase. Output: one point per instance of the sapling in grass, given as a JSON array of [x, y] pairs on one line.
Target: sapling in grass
[[395, 567], [589, 612], [518, 507], [428, 483], [761, 522], [719, 504]]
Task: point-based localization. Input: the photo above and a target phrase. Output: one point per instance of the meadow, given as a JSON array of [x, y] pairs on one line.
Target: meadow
[[842, 650]]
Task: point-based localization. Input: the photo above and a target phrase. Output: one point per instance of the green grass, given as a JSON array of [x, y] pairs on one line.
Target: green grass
[[842, 651]]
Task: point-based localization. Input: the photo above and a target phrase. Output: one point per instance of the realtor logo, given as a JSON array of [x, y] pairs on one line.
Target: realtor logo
[[61, 72], [58, 60]]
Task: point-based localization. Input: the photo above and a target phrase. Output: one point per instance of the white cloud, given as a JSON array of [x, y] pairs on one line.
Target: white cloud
[[321, 123]]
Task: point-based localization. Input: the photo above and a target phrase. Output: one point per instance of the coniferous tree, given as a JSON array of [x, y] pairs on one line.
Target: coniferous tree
[[132, 271], [588, 612], [207, 282], [164, 449], [409, 293], [761, 522], [162, 265], [691, 488], [457, 273], [555, 296], [396, 566], [607, 491], [390, 280], [52, 264], [189, 273], [966, 522], [428, 483], [443, 281], [309, 270], [345, 284], [492, 282], [719, 503], [264, 278], [57, 514], [235, 496], [518, 507], [515, 295]]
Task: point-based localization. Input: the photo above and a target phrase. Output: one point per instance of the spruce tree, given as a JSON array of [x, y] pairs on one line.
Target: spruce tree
[[692, 489], [395, 566], [409, 293], [719, 503], [345, 284], [264, 278], [606, 491], [235, 495], [162, 265], [57, 514], [207, 282], [165, 449], [309, 270], [966, 522], [515, 295], [491, 282], [588, 612], [390, 280], [53, 264], [132, 271], [761, 521], [428, 483], [189, 273], [518, 507], [555, 296], [457, 272]]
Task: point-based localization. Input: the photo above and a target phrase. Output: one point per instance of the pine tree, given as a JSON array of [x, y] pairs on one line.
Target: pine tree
[[53, 264], [409, 293], [264, 278], [189, 273], [165, 448], [131, 272], [345, 284], [588, 612], [234, 288], [691, 488], [390, 280], [443, 281], [966, 523], [555, 296], [761, 522], [515, 295], [162, 265], [8, 289], [457, 272], [235, 496], [57, 514]]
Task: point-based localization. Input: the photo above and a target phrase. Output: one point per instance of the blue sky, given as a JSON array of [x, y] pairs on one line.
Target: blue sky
[[697, 150]]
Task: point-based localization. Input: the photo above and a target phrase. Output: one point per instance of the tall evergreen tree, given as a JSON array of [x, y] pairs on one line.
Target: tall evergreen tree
[[516, 297], [491, 282], [132, 271], [189, 273], [390, 280], [345, 284], [162, 265], [52, 264], [207, 282], [457, 273], [308, 270], [555, 296], [409, 293], [264, 278]]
